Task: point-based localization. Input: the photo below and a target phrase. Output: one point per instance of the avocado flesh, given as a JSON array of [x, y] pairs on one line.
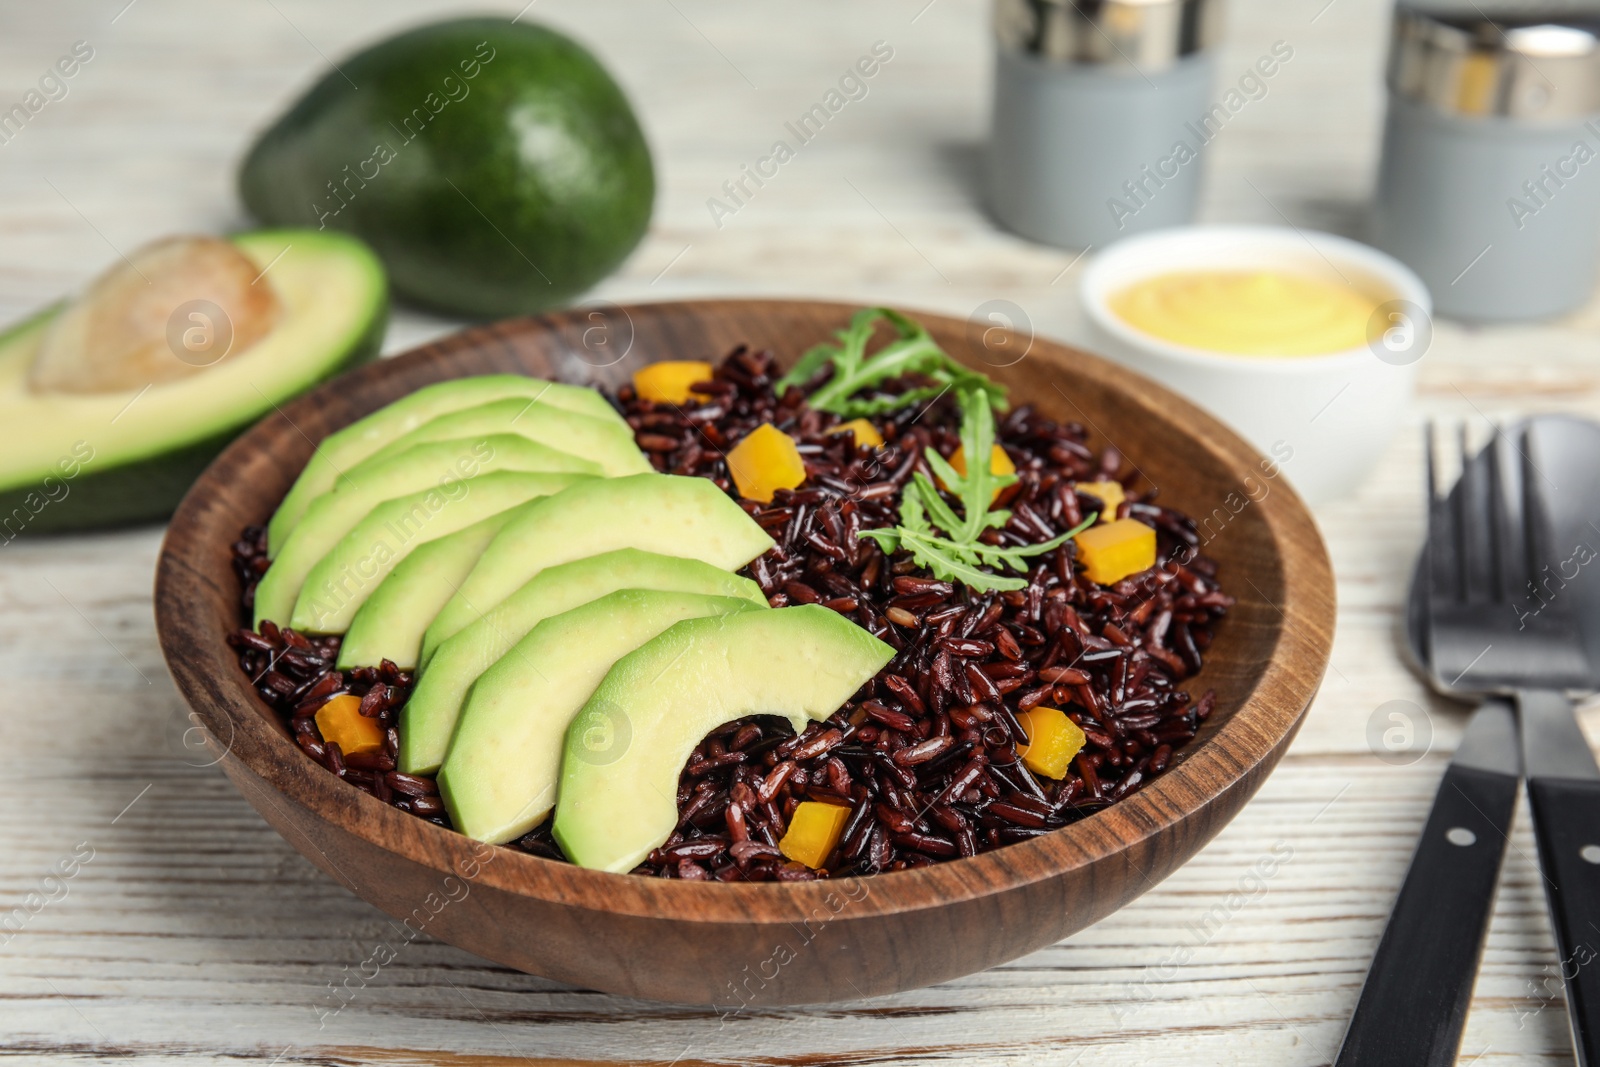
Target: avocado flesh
[[343, 579], [606, 443], [673, 515], [344, 448], [496, 167], [90, 460], [625, 749], [495, 419], [435, 704], [384, 477], [499, 779], [389, 625]]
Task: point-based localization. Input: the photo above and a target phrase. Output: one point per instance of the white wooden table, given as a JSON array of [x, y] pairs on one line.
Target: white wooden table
[[196, 934]]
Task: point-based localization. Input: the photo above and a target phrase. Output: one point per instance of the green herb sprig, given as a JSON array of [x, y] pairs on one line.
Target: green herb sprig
[[948, 544], [913, 351]]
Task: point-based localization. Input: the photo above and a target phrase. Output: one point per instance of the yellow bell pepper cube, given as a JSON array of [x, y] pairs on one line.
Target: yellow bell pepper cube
[[1109, 493], [813, 832], [999, 463], [341, 722], [1111, 552], [1053, 739], [764, 462], [668, 382], [866, 433]]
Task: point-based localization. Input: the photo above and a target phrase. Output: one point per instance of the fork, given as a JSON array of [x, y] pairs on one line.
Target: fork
[[1488, 546]]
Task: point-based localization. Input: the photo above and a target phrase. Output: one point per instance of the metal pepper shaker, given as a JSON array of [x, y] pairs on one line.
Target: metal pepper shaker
[[1489, 186], [1092, 99]]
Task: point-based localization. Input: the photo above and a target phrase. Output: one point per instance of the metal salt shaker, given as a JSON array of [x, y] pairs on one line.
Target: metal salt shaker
[[1489, 187], [1091, 97]]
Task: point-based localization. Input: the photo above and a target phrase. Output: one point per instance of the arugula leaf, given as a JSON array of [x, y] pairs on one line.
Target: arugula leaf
[[950, 563], [923, 493], [913, 351], [979, 486], [957, 554]]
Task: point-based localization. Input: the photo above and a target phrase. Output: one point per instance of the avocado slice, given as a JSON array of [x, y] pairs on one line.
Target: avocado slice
[[495, 165], [383, 477], [626, 747], [497, 418], [343, 449], [674, 515], [389, 625], [499, 779], [606, 442], [343, 579], [82, 453], [430, 714]]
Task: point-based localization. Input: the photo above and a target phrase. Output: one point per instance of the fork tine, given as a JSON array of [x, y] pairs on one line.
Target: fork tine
[[1439, 586], [1428, 459], [1508, 514], [1538, 539], [1440, 544], [1475, 516]]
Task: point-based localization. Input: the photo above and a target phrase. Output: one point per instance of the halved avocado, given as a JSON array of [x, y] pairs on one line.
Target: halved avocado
[[429, 717], [114, 402], [625, 749], [499, 779]]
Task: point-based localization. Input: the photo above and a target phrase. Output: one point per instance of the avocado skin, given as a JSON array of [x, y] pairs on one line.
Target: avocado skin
[[528, 183], [148, 490]]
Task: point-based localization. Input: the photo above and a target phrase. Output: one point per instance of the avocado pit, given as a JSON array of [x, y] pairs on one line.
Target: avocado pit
[[172, 309]]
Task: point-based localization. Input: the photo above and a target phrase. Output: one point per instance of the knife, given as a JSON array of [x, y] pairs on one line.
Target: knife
[[1564, 795], [1413, 1005]]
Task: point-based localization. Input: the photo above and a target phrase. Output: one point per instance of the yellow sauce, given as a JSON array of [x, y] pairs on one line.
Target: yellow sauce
[[1249, 313]]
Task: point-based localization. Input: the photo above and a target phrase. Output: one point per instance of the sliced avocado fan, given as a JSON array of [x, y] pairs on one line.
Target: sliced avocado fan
[[385, 476], [345, 448], [673, 515], [343, 579], [429, 716], [389, 625]]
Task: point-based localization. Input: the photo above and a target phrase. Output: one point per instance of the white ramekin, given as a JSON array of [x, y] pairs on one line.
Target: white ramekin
[[1324, 419]]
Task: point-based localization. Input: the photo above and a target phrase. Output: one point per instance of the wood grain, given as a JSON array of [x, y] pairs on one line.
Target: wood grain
[[730, 946], [198, 935]]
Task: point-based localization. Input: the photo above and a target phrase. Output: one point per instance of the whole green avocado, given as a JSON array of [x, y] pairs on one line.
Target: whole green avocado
[[495, 167]]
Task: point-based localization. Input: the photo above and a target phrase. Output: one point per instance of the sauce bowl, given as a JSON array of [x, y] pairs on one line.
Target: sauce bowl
[[1325, 419]]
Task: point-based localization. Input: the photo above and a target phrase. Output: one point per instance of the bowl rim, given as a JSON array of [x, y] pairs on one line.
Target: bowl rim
[[1143, 255], [207, 675]]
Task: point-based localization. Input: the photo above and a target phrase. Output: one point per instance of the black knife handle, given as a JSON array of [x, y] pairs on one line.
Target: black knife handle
[[1414, 1003], [1566, 821]]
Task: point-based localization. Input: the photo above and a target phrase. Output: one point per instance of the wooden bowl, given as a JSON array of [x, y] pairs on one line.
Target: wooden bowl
[[733, 945]]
